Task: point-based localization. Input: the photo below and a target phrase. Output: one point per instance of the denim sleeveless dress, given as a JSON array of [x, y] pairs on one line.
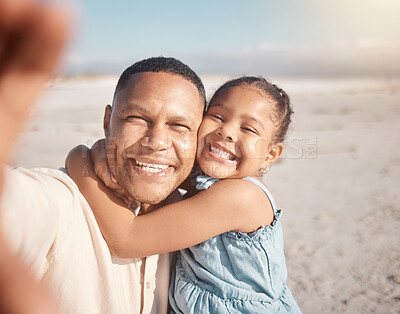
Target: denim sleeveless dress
[[234, 272]]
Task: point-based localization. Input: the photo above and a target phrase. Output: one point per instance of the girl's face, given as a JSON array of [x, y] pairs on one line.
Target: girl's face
[[235, 137]]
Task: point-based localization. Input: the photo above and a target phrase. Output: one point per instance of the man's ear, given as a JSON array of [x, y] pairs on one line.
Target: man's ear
[[274, 154], [107, 119]]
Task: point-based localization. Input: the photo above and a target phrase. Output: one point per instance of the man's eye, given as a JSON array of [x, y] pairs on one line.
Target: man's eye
[[136, 118], [180, 127]]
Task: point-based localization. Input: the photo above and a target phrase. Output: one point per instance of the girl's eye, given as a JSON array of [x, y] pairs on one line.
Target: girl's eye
[[250, 129], [216, 116]]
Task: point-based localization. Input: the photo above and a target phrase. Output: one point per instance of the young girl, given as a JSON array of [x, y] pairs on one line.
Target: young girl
[[229, 234]]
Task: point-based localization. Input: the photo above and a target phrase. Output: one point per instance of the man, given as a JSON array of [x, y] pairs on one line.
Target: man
[[151, 132]]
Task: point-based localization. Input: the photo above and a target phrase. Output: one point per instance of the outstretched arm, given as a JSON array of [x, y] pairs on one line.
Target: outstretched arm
[[232, 204], [31, 38]]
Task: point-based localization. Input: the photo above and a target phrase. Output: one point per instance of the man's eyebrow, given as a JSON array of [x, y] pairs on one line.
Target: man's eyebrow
[[182, 117], [176, 117], [126, 107]]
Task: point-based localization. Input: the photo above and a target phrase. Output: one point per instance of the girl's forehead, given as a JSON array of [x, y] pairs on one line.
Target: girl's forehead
[[243, 97]]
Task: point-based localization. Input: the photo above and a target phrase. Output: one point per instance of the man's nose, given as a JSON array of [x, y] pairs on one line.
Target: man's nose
[[156, 138], [227, 132]]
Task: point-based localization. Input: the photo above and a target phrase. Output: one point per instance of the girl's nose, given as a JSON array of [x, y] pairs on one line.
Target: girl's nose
[[227, 133]]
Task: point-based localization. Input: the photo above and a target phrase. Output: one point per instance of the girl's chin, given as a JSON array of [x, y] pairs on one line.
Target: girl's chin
[[217, 172], [217, 168]]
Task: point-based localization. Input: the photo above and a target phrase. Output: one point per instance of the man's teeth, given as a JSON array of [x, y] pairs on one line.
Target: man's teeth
[[151, 167], [222, 153]]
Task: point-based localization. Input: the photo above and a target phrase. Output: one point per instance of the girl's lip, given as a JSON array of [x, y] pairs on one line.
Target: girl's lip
[[221, 152]]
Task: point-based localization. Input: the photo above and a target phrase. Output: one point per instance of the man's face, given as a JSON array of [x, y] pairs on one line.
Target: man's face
[[151, 134]]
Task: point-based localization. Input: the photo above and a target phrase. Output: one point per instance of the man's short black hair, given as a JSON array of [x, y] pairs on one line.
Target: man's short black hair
[[161, 64]]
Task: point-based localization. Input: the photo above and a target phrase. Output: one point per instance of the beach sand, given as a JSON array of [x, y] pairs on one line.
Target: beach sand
[[337, 182]]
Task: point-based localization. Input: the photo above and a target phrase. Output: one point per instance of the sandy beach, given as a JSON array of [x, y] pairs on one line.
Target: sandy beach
[[337, 182]]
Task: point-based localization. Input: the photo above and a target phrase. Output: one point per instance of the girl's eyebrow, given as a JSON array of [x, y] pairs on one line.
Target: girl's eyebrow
[[216, 105], [258, 121]]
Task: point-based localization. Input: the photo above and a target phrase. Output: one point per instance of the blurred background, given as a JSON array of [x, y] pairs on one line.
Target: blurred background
[[339, 178], [285, 38]]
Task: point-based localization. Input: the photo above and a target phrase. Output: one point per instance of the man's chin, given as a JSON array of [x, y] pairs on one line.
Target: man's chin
[[151, 196]]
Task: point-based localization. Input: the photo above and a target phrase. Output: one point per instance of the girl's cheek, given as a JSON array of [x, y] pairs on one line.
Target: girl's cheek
[[261, 148], [200, 147]]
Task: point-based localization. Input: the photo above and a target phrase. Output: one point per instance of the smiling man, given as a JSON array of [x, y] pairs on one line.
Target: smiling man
[[151, 132], [151, 128]]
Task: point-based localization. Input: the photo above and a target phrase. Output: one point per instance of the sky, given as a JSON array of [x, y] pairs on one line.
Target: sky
[[235, 37]]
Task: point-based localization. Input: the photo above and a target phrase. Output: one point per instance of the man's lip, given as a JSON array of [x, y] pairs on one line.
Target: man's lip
[[153, 162], [151, 168]]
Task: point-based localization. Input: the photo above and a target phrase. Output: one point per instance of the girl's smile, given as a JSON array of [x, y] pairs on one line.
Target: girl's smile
[[221, 153]]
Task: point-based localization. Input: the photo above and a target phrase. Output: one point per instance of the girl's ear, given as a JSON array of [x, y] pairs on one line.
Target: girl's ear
[[274, 154], [106, 120]]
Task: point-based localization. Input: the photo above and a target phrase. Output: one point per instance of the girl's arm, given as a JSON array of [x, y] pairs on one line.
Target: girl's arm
[[229, 204]]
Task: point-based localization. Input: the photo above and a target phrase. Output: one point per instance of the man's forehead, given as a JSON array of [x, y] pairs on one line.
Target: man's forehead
[[159, 79], [161, 87]]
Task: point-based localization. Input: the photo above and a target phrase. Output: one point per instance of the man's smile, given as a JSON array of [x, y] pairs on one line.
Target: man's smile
[[152, 168]]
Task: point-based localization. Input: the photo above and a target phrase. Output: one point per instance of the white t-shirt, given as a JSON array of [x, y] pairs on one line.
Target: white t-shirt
[[50, 226]]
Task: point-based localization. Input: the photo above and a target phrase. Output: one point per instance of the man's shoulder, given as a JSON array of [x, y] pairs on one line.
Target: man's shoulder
[[44, 191], [60, 174], [47, 178]]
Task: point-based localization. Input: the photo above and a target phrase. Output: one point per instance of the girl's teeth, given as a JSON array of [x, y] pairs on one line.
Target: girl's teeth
[[151, 167], [222, 153]]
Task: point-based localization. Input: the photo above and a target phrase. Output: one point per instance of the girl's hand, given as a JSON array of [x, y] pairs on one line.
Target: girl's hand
[[103, 171], [78, 162]]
